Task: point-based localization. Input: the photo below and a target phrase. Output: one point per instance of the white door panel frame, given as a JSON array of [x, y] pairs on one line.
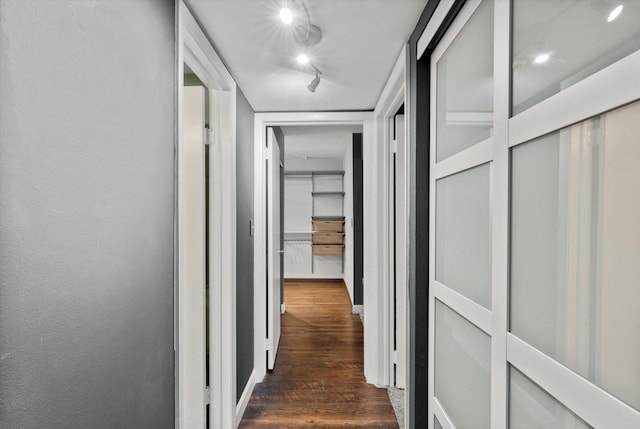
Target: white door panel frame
[[194, 49], [606, 90], [609, 88]]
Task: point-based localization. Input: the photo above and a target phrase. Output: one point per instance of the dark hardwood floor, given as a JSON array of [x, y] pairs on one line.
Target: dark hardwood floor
[[318, 379]]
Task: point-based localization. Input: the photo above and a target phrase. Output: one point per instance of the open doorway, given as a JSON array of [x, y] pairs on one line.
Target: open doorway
[[319, 204], [309, 217], [322, 341]]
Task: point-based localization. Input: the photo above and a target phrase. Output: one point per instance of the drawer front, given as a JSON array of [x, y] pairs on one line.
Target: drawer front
[[323, 225], [327, 250], [328, 238]]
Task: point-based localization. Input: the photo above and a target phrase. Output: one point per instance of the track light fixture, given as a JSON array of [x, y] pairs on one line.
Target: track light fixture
[[316, 80], [314, 83], [305, 34]]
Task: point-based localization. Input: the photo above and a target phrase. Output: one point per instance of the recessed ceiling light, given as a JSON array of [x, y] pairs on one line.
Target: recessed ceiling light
[[286, 16], [542, 58], [303, 59], [615, 13]]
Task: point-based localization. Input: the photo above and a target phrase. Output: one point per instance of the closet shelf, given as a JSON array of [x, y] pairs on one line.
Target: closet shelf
[[328, 218], [315, 173], [328, 193]]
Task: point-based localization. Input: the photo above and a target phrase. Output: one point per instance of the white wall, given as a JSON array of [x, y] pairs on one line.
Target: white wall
[[311, 164]]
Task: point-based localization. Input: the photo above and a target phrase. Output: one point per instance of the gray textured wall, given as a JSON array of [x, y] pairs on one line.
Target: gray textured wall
[[244, 249], [86, 214]]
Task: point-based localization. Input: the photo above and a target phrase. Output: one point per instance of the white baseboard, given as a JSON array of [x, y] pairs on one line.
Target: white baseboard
[[357, 309], [244, 399], [283, 308]]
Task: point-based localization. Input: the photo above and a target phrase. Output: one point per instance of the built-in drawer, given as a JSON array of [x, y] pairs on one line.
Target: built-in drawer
[[328, 238], [328, 225], [328, 249]]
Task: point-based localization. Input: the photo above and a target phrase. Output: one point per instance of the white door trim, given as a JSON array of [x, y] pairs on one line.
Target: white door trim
[[372, 227], [394, 94], [194, 49]]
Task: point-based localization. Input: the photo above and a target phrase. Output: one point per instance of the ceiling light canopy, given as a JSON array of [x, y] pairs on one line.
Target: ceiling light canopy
[[304, 33]]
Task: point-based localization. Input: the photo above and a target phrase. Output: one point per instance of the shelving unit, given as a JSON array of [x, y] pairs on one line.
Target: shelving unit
[[314, 232], [327, 220]]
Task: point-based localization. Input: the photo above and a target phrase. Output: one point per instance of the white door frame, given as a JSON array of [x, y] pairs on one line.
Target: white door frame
[[372, 226], [194, 49], [393, 96], [398, 250]]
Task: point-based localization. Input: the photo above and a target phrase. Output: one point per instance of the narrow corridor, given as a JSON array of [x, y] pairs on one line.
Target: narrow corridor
[[318, 379]]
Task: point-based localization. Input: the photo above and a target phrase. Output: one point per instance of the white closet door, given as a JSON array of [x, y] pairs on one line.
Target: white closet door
[[275, 252]]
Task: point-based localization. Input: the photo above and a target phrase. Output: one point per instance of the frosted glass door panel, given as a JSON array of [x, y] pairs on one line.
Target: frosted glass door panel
[[462, 370], [465, 86], [530, 407], [463, 234], [558, 43], [575, 249]]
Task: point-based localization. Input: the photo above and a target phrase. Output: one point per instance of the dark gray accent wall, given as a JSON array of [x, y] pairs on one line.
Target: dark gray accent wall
[[244, 249], [358, 219], [87, 214], [419, 144]]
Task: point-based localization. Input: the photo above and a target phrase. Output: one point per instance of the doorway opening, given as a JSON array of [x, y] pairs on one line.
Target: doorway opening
[[321, 337], [204, 310], [309, 214]]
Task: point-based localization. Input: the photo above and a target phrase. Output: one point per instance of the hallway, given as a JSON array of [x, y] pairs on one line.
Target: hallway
[[318, 378]]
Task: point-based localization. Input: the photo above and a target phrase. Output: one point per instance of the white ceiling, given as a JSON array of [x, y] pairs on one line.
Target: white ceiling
[[318, 141], [361, 42]]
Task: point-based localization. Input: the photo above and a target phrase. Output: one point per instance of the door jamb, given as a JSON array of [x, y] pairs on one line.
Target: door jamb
[[394, 94], [194, 48]]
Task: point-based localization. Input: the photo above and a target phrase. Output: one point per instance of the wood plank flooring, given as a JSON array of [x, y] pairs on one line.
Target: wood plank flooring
[[318, 379]]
